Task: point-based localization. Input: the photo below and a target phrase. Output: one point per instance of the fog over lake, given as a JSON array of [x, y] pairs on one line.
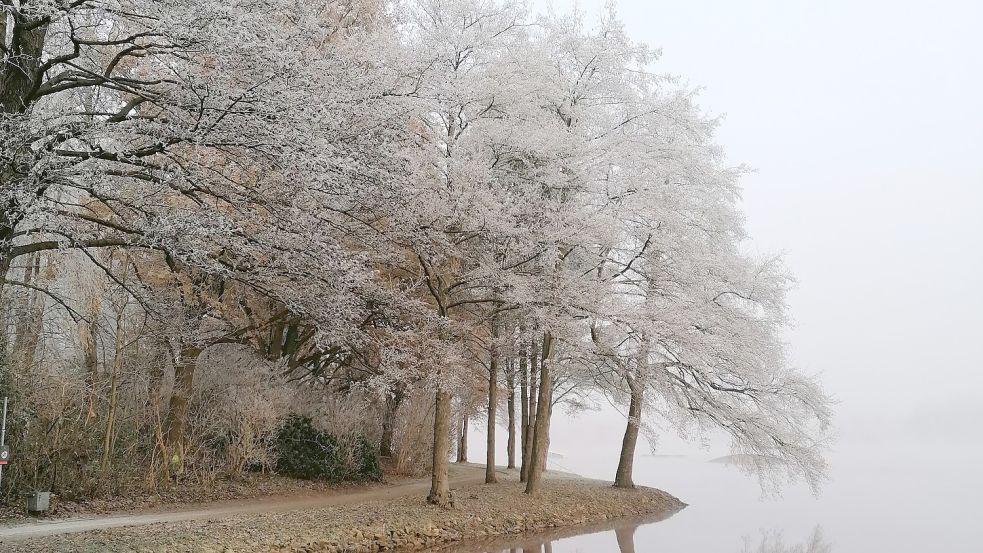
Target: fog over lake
[[863, 122], [884, 496]]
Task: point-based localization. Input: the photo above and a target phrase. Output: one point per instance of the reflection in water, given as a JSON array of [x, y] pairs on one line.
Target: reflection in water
[[543, 543], [626, 539], [624, 532], [775, 543], [770, 542]]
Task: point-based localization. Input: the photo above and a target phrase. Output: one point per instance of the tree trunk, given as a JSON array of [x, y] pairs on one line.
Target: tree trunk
[[393, 401], [531, 422], [89, 334], [510, 382], [108, 440], [19, 70], [524, 419], [30, 317], [623, 477], [462, 441], [492, 411], [154, 398], [540, 442], [177, 409], [440, 493]]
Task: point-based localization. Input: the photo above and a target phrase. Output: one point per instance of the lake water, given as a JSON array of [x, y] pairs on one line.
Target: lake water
[[882, 498]]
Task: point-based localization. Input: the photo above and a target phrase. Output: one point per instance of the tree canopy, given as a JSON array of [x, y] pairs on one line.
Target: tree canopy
[[382, 197]]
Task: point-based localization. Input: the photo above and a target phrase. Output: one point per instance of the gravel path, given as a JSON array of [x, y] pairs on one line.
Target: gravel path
[[461, 475]]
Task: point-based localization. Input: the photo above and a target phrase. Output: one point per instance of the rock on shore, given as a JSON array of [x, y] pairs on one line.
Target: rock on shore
[[406, 523]]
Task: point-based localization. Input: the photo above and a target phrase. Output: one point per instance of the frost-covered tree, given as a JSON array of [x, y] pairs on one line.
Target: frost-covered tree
[[179, 126], [690, 324], [390, 196], [467, 86]]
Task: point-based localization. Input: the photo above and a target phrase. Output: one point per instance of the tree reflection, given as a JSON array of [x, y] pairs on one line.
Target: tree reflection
[[769, 542], [774, 542], [625, 536]]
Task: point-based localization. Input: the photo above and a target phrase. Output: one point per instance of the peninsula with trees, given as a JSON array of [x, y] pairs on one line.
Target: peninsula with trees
[[280, 247]]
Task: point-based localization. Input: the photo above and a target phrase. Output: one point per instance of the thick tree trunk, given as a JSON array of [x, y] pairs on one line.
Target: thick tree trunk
[[23, 41], [462, 441], [540, 442], [492, 412], [393, 401], [623, 478], [20, 68], [510, 382], [177, 409], [440, 493]]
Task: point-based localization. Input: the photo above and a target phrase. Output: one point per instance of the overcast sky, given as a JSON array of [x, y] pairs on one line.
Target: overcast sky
[[864, 122]]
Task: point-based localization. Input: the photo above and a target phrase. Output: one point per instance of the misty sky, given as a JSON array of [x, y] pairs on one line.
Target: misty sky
[[863, 120]]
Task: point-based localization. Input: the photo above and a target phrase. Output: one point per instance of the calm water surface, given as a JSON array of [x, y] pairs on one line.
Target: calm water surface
[[878, 500]]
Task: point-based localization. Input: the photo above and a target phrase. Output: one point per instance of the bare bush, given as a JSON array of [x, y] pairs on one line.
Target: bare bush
[[239, 402], [413, 435]]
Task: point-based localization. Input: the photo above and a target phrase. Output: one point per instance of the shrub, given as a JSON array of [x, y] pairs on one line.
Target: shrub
[[367, 465], [305, 452]]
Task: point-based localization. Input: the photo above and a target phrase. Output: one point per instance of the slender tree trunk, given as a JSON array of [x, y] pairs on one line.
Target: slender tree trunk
[[30, 317], [623, 478], [531, 423], [108, 440], [462, 440], [177, 410], [492, 409], [89, 334], [440, 493], [154, 402], [543, 410], [510, 382], [22, 305], [543, 451], [524, 419]]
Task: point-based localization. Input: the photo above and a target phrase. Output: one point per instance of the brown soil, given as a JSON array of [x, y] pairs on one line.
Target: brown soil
[[367, 520], [183, 494]]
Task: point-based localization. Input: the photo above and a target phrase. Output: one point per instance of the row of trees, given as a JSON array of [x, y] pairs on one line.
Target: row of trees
[[382, 200]]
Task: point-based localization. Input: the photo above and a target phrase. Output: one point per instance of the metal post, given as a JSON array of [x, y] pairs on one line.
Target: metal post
[[3, 432]]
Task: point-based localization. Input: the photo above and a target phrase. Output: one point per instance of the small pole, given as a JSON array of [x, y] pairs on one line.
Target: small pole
[[3, 431]]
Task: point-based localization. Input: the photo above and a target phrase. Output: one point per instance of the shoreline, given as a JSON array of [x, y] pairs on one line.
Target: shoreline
[[532, 539], [567, 505]]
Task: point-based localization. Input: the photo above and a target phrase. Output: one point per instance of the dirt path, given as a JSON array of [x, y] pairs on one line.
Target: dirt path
[[462, 475]]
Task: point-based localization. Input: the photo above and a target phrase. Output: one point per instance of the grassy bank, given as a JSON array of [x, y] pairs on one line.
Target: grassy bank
[[407, 523]]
